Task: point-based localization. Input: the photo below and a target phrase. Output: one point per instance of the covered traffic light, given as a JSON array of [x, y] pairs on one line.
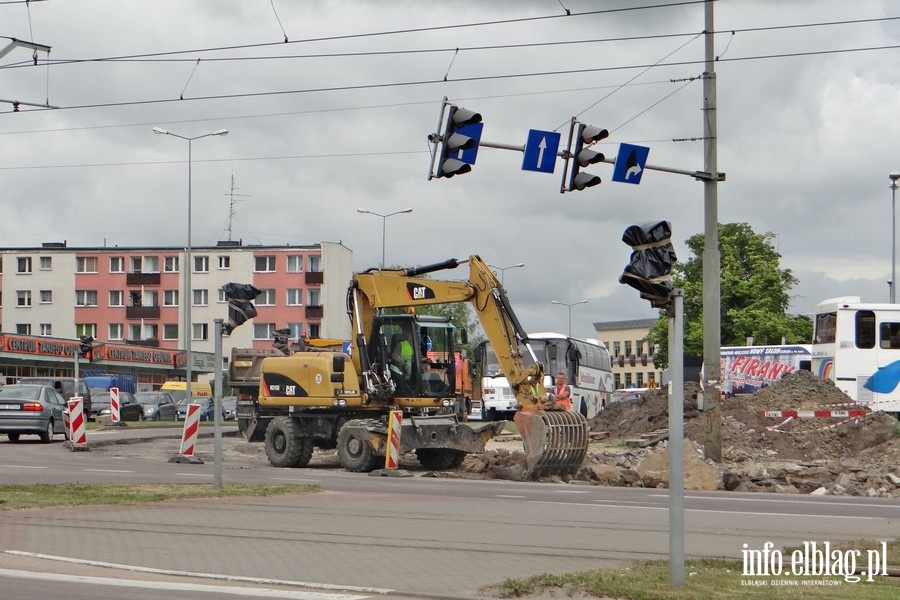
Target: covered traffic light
[[459, 142], [86, 347], [281, 338], [584, 156], [240, 307], [650, 269]]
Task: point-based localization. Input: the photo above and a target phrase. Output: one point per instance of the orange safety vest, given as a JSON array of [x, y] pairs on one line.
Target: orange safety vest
[[566, 402]]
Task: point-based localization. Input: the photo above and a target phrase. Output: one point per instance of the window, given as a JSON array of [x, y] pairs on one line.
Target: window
[[295, 297], [46, 263], [85, 264], [145, 264], [266, 298], [865, 329], [85, 329], [651, 348], [116, 264], [617, 381], [222, 297], [116, 298], [46, 296], [617, 348], [224, 262], [170, 297], [170, 264], [170, 331], [201, 297], [151, 332], [315, 263], [23, 298], [200, 331], [826, 328], [264, 264], [295, 263], [23, 328], [628, 380], [627, 349], [115, 331], [23, 264], [150, 298], [638, 346], [201, 264], [263, 331], [85, 297], [136, 264], [639, 379], [46, 329], [134, 331], [314, 297], [296, 330], [134, 298], [314, 330]]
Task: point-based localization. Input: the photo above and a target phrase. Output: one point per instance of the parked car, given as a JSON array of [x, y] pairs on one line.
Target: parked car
[[229, 407], [31, 410], [66, 386], [206, 407], [628, 395], [158, 406], [129, 409]]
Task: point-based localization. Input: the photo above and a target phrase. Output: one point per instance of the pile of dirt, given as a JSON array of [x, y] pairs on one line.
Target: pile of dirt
[[838, 455]]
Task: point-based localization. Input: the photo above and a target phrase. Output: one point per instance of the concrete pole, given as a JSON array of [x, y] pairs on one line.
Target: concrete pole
[[712, 311], [217, 406], [676, 440]]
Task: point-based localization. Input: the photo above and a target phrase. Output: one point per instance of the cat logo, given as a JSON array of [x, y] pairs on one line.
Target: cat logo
[[419, 292]]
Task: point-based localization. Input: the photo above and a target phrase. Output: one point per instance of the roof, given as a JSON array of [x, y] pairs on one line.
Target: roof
[[619, 325]]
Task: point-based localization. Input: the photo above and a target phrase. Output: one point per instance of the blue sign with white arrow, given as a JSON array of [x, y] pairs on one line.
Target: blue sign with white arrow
[[630, 162], [540, 151]]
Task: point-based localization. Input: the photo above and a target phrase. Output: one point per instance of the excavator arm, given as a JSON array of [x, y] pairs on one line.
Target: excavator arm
[[555, 441]]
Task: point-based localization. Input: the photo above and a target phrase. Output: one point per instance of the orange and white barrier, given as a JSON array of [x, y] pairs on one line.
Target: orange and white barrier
[[392, 456], [191, 428], [114, 411], [77, 422]]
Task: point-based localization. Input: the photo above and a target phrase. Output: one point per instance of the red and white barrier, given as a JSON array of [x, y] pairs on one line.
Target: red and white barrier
[[814, 414], [77, 422], [67, 423], [191, 428], [392, 456], [114, 410]]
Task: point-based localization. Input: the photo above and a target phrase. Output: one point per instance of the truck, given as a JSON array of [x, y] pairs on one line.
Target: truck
[[326, 398], [748, 369]]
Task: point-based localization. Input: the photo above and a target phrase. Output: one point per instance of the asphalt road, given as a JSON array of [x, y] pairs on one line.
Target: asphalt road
[[415, 536]]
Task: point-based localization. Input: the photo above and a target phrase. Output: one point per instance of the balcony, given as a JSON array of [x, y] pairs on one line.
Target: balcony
[[150, 343], [141, 312], [139, 279], [314, 277], [315, 312]]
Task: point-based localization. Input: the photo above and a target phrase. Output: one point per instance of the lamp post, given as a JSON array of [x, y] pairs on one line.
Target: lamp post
[[384, 219], [570, 310], [188, 267], [894, 176], [502, 269]]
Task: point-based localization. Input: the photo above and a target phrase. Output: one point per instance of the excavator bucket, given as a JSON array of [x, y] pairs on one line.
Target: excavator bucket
[[555, 442]]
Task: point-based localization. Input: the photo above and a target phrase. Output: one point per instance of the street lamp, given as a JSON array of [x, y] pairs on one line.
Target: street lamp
[[187, 256], [384, 219], [894, 176], [502, 269], [570, 311]]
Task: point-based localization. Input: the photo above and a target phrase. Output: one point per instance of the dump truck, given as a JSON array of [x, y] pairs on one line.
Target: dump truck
[[322, 397]]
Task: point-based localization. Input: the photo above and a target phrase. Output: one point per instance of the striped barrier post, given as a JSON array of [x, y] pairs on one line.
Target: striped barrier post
[[392, 456], [114, 410], [77, 425], [191, 428], [67, 423]]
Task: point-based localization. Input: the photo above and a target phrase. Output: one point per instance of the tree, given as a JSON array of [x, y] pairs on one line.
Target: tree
[[753, 290]]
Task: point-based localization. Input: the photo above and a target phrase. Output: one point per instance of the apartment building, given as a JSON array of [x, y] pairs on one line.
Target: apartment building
[[135, 296], [632, 356]]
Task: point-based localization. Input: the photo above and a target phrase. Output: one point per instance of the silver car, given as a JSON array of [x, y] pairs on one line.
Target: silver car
[[157, 406], [31, 409]]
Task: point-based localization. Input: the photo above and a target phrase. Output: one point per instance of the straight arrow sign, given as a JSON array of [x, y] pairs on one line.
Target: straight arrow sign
[[540, 151]]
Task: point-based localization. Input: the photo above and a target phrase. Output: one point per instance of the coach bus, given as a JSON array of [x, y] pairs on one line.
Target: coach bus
[[857, 346], [585, 363]]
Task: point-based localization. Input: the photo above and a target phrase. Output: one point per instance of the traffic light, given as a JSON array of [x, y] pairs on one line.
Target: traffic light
[[281, 340], [650, 268], [582, 157], [240, 307], [86, 347], [462, 133]]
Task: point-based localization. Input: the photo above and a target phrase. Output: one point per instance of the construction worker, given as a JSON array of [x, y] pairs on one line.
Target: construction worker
[[651, 383], [562, 393], [402, 354]]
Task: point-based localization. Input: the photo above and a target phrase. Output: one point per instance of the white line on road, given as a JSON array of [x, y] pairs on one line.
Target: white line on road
[[786, 501], [195, 474], [22, 467], [107, 471], [601, 503], [296, 480]]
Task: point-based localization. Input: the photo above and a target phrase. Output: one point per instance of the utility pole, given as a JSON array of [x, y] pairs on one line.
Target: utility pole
[[712, 311]]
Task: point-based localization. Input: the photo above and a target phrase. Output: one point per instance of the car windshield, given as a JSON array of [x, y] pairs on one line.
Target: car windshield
[[20, 392], [147, 398]]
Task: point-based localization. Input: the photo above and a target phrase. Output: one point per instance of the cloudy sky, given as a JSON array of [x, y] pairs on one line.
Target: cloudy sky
[[337, 118]]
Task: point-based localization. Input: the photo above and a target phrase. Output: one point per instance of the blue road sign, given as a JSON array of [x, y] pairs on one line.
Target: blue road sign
[[473, 131], [540, 151], [630, 162]]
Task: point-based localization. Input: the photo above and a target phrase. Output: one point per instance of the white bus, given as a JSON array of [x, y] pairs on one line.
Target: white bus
[[857, 346], [586, 364]]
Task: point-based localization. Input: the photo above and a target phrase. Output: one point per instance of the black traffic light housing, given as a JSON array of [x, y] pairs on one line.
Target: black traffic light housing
[[583, 157], [86, 347], [650, 268], [281, 340], [240, 307], [453, 142]]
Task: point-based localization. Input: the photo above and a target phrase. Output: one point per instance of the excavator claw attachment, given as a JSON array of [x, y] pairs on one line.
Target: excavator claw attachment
[[555, 442]]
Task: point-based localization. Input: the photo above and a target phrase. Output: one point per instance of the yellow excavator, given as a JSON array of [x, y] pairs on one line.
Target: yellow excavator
[[403, 362]]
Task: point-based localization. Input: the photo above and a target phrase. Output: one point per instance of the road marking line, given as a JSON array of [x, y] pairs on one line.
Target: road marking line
[[600, 504], [296, 480], [107, 471], [195, 474], [23, 467], [786, 501]]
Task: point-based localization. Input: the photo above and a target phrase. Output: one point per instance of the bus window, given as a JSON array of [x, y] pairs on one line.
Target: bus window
[[889, 336], [826, 328], [865, 329]]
